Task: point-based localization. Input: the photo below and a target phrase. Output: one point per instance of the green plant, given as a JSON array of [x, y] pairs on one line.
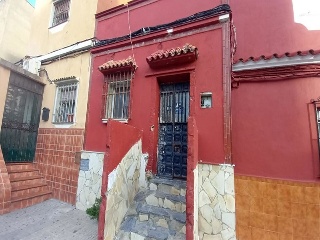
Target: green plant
[[93, 212]]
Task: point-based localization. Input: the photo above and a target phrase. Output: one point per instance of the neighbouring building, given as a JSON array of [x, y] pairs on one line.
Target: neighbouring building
[[15, 28], [275, 119], [40, 149]]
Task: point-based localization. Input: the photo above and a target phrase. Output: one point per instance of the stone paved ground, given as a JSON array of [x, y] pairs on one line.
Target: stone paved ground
[[50, 220]]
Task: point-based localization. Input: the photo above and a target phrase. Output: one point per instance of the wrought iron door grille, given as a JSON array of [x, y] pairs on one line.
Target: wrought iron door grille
[[65, 104], [61, 12], [173, 130], [116, 95], [21, 118]]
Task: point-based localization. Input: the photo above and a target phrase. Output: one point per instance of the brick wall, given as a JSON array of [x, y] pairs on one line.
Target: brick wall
[[268, 209], [55, 158], [5, 187]]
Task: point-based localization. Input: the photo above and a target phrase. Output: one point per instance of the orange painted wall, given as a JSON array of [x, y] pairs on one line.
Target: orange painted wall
[[269, 209]]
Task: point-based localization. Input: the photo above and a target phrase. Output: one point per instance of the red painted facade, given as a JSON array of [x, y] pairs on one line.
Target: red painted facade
[[274, 127], [116, 149], [274, 131], [267, 27], [205, 74]]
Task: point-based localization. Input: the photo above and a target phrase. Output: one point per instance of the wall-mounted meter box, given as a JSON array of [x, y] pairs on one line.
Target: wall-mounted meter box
[[206, 100]]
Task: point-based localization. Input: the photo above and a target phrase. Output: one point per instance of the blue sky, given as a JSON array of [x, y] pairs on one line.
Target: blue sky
[[32, 2]]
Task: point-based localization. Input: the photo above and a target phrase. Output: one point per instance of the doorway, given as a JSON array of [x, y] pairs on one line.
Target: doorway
[[173, 130]]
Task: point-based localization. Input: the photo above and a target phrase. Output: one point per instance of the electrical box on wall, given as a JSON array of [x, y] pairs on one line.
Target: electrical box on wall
[[206, 100]]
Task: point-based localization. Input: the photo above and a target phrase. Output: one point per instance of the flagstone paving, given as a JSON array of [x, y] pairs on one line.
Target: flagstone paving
[[50, 220]]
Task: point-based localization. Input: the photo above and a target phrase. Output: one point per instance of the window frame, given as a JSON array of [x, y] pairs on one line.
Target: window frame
[[53, 11], [121, 80], [59, 85], [317, 113]]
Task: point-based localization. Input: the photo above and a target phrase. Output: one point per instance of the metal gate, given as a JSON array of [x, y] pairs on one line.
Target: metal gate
[[173, 130], [21, 118]]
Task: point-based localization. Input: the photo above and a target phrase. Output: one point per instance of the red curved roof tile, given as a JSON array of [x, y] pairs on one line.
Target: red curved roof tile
[[187, 48], [129, 62], [276, 55]]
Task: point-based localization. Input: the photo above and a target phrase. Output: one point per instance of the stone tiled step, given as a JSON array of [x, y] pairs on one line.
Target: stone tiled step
[[160, 199], [154, 211], [173, 198], [155, 229], [30, 199], [24, 189], [168, 186]]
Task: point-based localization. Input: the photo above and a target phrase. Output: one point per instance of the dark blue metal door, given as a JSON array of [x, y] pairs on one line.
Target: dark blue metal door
[[173, 130]]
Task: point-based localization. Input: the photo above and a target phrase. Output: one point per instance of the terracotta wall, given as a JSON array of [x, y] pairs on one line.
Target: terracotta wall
[[5, 187], [270, 209], [55, 158]]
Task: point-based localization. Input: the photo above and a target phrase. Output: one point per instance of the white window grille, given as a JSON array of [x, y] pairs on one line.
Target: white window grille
[[60, 12], [117, 96], [65, 104]]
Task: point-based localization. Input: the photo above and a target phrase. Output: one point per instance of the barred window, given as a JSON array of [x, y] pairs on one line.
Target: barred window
[[60, 12], [65, 104], [117, 95]]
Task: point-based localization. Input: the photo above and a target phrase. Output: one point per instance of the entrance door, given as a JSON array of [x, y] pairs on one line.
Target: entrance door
[[21, 118], [173, 130]]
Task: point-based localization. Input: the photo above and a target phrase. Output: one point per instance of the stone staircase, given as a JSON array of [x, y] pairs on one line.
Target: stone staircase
[[28, 187], [158, 213]]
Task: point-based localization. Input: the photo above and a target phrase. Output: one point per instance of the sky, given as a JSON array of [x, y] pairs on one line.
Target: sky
[[32, 2]]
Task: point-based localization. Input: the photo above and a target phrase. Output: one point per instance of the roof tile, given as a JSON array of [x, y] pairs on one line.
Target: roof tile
[[129, 62], [276, 55], [187, 48]]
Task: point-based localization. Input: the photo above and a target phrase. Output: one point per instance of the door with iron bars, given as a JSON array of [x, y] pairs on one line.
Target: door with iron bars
[[173, 130], [19, 129]]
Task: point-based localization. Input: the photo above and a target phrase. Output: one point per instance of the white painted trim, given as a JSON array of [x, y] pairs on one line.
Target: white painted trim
[[224, 18], [276, 62], [105, 120], [63, 125], [85, 151], [58, 27], [73, 48]]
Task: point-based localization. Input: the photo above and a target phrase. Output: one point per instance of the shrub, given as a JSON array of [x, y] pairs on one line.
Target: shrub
[[93, 212]]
